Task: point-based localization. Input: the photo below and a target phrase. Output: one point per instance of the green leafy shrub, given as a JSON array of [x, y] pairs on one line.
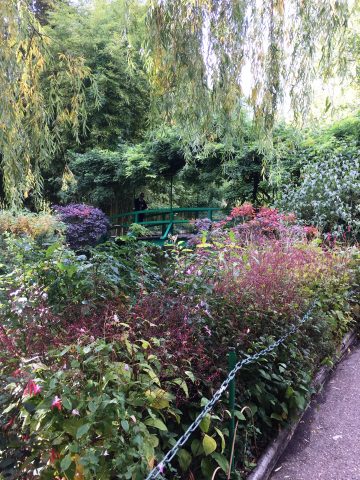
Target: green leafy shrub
[[328, 194], [137, 230], [320, 178], [67, 278], [94, 412]]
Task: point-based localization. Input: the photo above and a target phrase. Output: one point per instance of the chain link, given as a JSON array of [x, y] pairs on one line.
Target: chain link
[[159, 469]]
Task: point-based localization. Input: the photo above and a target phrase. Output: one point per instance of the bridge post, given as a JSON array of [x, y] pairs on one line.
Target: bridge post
[[163, 227], [171, 220]]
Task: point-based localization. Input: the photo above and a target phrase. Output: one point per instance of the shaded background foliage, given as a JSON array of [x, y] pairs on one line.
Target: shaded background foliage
[[109, 75]]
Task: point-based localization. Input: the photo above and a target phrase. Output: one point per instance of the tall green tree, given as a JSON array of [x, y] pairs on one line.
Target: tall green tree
[[33, 113], [108, 36], [202, 53], [41, 8]]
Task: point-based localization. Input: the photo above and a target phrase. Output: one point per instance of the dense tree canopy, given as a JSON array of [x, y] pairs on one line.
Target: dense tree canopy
[[109, 43], [41, 8], [42, 96], [112, 333], [179, 89], [202, 53]]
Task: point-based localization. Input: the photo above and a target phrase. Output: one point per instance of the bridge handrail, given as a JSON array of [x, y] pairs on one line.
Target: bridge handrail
[[162, 211], [155, 222]]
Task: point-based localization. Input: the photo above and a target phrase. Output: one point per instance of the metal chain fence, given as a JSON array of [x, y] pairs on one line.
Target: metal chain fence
[[160, 467]]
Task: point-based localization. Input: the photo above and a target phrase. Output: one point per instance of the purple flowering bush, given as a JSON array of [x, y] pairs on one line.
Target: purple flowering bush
[[86, 225], [202, 224]]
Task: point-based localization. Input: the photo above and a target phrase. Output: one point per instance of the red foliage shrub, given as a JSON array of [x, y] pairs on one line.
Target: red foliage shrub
[[169, 320], [311, 232], [159, 319], [268, 281], [7, 343], [245, 210], [265, 224], [40, 329], [265, 288]]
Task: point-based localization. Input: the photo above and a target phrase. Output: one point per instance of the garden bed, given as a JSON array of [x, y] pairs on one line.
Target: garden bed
[[107, 358]]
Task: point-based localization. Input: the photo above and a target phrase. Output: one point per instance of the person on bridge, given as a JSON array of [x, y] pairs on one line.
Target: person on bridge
[[139, 205]]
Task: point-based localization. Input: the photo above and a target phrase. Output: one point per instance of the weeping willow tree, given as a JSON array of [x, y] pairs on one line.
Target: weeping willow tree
[[213, 63], [41, 98]]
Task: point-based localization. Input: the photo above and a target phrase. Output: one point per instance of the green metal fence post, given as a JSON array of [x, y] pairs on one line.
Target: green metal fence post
[[231, 365]]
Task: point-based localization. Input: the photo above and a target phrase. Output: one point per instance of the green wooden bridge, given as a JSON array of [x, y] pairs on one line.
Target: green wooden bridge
[[166, 218]]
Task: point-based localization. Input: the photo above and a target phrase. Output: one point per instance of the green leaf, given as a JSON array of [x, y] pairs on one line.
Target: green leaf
[[159, 398], [327, 104], [99, 348], [93, 405], [205, 423], [190, 375], [125, 425], [209, 444], [284, 408], [81, 431], [10, 407], [71, 425], [196, 447], [300, 401], [66, 349], [50, 250], [282, 367], [239, 415], [156, 423], [66, 403], [182, 384], [221, 435], [207, 467], [66, 462], [276, 416], [145, 345], [264, 374], [184, 459], [222, 461], [289, 392], [203, 245]]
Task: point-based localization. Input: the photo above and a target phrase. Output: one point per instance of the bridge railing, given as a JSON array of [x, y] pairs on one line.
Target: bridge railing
[[167, 218]]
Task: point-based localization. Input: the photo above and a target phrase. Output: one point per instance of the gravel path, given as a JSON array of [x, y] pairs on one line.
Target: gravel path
[[326, 445]]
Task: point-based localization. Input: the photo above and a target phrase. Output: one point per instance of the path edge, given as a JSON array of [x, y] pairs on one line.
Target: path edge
[[273, 452]]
